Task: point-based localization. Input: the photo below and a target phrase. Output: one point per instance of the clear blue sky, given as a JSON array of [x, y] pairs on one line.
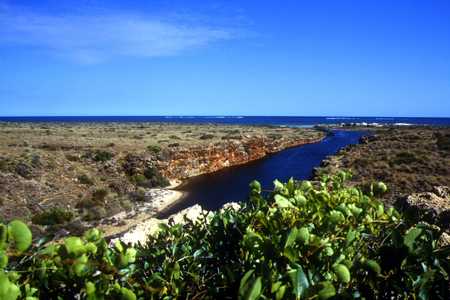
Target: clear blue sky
[[254, 57]]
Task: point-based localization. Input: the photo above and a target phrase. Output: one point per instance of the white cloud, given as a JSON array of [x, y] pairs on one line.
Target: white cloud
[[94, 38]]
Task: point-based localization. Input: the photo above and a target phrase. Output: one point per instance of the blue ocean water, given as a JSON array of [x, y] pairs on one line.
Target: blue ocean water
[[250, 120]]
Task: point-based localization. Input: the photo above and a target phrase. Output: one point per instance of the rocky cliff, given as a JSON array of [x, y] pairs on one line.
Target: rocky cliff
[[184, 162]]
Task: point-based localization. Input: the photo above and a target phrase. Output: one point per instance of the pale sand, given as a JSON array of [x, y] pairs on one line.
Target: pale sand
[[141, 232], [158, 200]]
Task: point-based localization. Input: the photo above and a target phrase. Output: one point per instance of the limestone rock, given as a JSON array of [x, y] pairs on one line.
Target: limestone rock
[[432, 207]]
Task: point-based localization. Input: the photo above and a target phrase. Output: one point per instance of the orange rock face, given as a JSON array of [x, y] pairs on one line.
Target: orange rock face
[[186, 162]]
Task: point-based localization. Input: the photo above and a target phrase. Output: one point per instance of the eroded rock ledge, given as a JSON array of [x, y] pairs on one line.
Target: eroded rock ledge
[[183, 162]]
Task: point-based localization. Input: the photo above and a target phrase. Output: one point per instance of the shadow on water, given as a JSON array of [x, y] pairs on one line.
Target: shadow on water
[[213, 190]]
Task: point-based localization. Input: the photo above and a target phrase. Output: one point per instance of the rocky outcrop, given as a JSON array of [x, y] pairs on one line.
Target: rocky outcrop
[[432, 207], [141, 232], [181, 162]]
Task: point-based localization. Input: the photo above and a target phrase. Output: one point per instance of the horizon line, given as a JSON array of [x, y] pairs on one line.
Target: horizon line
[[220, 116]]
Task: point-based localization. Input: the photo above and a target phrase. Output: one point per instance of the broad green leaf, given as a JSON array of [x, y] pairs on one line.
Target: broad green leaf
[[127, 294], [21, 235], [252, 291], [255, 186], [326, 291], [282, 202], [245, 279], [280, 293], [292, 237], [3, 236], [342, 273], [278, 186], [74, 245], [373, 266], [8, 290], [3, 259], [411, 237], [299, 282]]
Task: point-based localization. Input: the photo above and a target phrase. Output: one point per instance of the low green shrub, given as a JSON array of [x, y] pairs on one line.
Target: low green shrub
[[301, 241], [84, 179], [53, 216], [154, 149], [405, 158], [443, 141], [139, 180], [155, 177], [72, 157], [4, 164], [138, 195], [102, 155], [94, 213], [151, 178], [99, 195], [24, 170], [206, 136]]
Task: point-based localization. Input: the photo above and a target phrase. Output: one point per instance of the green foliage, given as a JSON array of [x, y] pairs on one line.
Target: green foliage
[[302, 241], [84, 179], [443, 141], [139, 179], [151, 178], [155, 149], [53, 216], [102, 155], [20, 234], [206, 136], [405, 158], [99, 195]]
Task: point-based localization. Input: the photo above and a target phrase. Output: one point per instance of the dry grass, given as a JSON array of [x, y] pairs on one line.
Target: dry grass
[[407, 159]]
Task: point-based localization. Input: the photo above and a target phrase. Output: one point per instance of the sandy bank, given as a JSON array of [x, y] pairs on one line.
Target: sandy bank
[[156, 200], [140, 233]]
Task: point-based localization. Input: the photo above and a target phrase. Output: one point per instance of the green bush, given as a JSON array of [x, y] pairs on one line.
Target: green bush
[[99, 195], [405, 158], [155, 177], [151, 178], [299, 242], [155, 149], [102, 155], [84, 179], [206, 136], [443, 141], [53, 216], [139, 179]]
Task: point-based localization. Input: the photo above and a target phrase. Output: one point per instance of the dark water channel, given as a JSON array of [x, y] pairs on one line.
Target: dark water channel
[[213, 190]]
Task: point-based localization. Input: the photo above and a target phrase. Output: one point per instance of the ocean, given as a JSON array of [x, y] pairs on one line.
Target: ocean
[[243, 120]]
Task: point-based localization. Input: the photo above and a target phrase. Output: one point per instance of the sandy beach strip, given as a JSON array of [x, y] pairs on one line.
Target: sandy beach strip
[[157, 200]]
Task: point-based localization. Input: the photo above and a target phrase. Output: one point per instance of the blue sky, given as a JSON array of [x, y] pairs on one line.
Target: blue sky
[[254, 57]]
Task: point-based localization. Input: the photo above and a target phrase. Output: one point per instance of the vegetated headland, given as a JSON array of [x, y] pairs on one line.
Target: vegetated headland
[[66, 177], [414, 161]]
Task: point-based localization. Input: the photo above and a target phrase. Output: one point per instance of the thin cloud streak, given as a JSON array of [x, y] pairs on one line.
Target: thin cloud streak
[[96, 38]]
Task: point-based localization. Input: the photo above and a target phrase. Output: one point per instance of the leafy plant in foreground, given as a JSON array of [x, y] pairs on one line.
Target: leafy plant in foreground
[[301, 241]]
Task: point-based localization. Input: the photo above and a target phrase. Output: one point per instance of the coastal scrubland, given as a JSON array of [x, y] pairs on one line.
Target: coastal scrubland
[[78, 174], [409, 159]]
